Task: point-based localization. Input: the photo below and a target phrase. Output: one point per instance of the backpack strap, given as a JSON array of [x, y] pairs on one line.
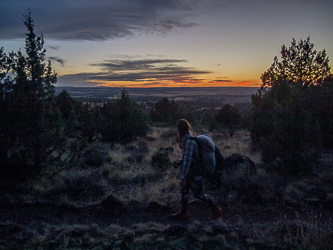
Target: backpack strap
[[199, 165], [194, 138]]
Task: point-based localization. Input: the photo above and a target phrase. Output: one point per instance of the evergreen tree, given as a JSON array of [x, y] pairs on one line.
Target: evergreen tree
[[228, 116], [89, 122], [285, 118], [30, 123], [71, 111], [122, 120], [300, 65], [166, 111]]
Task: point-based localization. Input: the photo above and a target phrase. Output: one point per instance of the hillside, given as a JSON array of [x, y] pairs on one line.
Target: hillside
[[71, 210]]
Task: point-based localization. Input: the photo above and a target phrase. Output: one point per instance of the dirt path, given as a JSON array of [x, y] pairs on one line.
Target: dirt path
[[46, 213], [59, 216], [44, 226]]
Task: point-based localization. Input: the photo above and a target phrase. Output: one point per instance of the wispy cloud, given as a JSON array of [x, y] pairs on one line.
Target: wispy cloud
[[145, 64], [53, 47], [220, 80], [145, 71], [244, 83], [101, 19], [57, 59]]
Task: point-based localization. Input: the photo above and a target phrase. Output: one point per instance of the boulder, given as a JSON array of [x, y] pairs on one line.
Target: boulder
[[243, 165], [113, 205]]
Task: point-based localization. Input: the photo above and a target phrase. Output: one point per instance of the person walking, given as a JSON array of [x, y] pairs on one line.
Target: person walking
[[191, 173]]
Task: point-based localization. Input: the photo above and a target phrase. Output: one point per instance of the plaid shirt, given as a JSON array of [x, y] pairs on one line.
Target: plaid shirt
[[190, 155]]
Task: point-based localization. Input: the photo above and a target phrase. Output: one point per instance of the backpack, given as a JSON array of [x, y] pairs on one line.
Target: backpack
[[210, 157]]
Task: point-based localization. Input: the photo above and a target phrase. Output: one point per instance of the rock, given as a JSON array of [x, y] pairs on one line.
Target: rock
[[237, 162], [113, 205]]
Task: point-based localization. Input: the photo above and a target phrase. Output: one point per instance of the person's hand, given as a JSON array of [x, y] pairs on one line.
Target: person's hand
[[182, 183]]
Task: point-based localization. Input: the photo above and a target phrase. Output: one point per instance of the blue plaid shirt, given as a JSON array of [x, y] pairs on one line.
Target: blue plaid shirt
[[190, 155]]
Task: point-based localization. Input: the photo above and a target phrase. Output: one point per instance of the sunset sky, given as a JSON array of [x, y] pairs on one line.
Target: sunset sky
[[166, 43]]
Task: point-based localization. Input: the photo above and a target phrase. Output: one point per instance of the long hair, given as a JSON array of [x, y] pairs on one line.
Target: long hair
[[183, 127]]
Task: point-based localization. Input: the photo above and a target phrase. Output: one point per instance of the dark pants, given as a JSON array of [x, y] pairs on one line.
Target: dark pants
[[195, 183]]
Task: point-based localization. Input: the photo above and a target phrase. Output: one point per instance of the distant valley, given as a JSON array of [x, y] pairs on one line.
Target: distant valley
[[223, 94]]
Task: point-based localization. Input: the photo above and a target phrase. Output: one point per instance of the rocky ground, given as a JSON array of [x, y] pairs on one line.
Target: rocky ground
[[130, 209], [134, 225]]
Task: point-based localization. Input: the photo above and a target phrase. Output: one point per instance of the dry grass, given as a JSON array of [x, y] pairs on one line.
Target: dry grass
[[261, 212]]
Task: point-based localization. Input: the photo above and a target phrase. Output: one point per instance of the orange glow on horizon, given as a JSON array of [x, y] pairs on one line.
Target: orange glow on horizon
[[244, 83], [179, 82]]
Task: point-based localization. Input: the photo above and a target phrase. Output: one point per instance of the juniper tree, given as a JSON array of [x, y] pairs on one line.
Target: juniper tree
[[285, 121], [30, 123], [228, 116], [122, 120], [166, 111], [300, 64]]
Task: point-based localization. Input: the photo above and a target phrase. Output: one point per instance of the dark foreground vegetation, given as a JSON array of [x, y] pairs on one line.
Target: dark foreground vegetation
[[78, 176]]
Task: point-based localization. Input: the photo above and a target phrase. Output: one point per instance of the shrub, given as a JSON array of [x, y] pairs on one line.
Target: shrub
[[89, 122], [228, 116], [161, 159], [83, 186], [122, 121], [94, 158], [170, 133], [166, 111]]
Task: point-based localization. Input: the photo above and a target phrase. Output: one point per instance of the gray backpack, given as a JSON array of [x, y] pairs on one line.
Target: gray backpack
[[207, 158]]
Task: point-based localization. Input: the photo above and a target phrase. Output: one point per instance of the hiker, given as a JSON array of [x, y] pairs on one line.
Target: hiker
[[191, 172]]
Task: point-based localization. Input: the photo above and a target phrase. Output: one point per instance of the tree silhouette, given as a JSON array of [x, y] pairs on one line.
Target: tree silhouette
[[73, 114], [30, 123], [166, 111], [89, 122], [228, 116], [122, 120], [285, 120], [300, 65]]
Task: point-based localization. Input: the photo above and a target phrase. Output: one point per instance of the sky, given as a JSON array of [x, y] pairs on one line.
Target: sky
[[166, 43]]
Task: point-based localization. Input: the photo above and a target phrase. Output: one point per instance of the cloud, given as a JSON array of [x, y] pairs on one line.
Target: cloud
[[101, 19], [119, 65], [80, 79], [244, 83], [53, 47], [57, 59], [221, 80], [145, 72]]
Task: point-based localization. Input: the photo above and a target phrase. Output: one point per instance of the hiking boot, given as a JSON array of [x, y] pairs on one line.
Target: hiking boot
[[216, 214], [180, 216]]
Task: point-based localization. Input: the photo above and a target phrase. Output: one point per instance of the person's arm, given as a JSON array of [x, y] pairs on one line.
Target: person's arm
[[187, 158]]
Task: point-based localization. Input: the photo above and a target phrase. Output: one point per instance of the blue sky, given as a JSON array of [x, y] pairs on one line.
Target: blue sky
[[153, 43]]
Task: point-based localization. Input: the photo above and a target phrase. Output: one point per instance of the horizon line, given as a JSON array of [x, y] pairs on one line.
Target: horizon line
[[119, 87]]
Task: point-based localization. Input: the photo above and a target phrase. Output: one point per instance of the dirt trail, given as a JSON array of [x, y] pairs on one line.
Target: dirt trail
[[50, 214], [27, 214], [45, 226]]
